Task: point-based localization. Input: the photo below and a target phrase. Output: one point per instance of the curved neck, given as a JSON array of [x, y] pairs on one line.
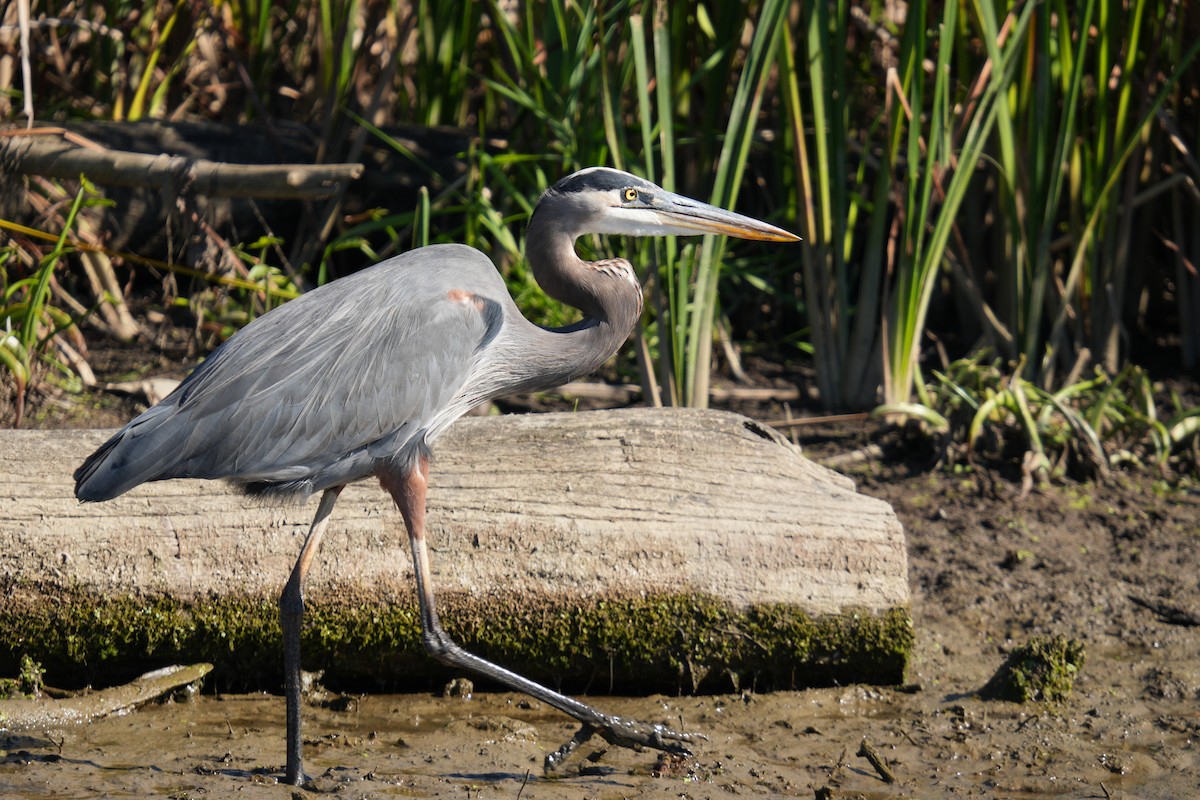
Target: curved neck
[[607, 292]]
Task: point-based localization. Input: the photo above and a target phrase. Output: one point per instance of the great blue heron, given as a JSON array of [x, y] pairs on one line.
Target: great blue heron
[[357, 378]]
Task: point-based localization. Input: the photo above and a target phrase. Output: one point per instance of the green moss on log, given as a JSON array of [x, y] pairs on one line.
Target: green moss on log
[[670, 643], [1042, 669]]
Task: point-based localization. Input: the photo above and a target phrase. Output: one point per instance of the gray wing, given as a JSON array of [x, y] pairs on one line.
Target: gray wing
[[312, 394]]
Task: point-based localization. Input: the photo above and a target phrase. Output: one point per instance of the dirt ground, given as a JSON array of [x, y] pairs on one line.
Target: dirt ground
[[1113, 566]]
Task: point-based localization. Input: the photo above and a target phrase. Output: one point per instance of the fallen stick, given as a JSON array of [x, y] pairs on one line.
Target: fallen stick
[[865, 750], [56, 158], [625, 392], [36, 713]]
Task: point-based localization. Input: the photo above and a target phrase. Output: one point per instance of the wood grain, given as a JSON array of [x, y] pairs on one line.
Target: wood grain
[[591, 504]]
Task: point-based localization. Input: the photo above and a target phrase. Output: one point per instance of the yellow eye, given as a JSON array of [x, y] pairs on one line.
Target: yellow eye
[[630, 194]]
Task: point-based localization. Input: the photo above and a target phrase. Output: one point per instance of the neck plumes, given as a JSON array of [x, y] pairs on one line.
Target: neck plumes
[[606, 291]]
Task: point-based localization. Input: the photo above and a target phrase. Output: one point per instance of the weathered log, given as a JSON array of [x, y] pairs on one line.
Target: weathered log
[[146, 219], [54, 157], [658, 545], [624, 392], [40, 713]]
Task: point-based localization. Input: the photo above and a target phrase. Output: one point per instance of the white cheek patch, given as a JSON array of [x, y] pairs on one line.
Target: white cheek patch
[[639, 222]]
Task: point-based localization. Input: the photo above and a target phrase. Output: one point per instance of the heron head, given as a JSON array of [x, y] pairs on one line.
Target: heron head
[[604, 200]]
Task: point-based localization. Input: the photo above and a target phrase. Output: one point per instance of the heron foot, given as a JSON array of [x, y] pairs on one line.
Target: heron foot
[[298, 779], [623, 733]]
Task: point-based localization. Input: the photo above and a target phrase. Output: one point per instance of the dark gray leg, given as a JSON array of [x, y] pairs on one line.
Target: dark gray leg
[[409, 494], [291, 613]]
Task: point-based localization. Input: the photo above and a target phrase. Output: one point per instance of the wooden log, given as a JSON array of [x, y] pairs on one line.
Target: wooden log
[[625, 392], [585, 520], [146, 219], [42, 713], [56, 158]]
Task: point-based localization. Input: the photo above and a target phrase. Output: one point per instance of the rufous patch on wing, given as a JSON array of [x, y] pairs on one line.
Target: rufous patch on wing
[[464, 297]]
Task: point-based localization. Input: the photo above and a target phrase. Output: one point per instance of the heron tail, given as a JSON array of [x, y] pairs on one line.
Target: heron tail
[[88, 486], [143, 450]]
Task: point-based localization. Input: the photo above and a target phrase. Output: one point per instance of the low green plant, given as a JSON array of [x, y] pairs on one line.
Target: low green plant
[[979, 409], [27, 684], [1041, 670], [29, 319]]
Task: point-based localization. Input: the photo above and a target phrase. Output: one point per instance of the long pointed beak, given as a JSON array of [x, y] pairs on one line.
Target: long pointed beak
[[693, 217]]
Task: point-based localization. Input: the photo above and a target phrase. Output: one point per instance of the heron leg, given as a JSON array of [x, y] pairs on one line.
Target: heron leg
[[409, 493], [291, 613]]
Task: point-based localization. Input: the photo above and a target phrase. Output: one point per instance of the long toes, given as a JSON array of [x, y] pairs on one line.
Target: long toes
[[556, 761], [624, 733], [671, 742], [633, 734], [683, 738]]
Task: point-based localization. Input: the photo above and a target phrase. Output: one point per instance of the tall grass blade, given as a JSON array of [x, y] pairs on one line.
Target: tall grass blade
[[731, 164]]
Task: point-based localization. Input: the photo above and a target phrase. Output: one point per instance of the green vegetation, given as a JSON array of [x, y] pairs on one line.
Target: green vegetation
[[983, 187], [28, 682], [1041, 670], [667, 643], [1084, 430], [31, 322]]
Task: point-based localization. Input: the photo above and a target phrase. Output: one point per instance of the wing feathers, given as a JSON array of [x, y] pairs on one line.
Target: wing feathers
[[351, 370]]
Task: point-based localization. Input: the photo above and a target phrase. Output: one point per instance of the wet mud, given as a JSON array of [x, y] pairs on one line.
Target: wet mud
[[1114, 568], [933, 743]]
